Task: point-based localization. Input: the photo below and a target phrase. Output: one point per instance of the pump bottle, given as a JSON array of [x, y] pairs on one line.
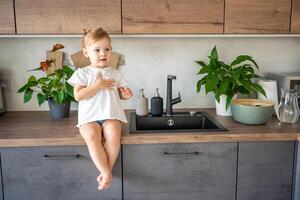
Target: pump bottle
[[156, 105], [142, 104]]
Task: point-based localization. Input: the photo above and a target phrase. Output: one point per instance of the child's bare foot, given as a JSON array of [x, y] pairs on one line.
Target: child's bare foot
[[104, 181], [99, 179]]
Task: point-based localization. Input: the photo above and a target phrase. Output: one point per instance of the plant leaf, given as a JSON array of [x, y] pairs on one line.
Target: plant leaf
[[259, 89], [39, 68], [23, 88], [52, 83], [217, 97], [68, 70], [27, 95], [211, 84], [204, 70], [246, 84], [228, 99], [240, 59], [41, 98], [223, 86], [54, 94], [214, 54], [70, 90], [254, 63], [242, 90], [59, 73], [201, 63], [61, 96], [214, 64], [42, 80], [235, 76], [32, 79], [200, 83]]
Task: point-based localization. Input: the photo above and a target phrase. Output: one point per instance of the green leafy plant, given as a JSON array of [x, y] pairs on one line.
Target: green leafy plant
[[228, 79], [52, 85]]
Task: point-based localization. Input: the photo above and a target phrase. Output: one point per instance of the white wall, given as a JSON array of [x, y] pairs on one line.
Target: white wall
[[148, 62]]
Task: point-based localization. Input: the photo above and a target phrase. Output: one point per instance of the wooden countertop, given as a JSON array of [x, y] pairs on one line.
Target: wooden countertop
[[31, 128]]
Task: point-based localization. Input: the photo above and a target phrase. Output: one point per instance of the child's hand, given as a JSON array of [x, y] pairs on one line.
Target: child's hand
[[125, 93], [102, 84]]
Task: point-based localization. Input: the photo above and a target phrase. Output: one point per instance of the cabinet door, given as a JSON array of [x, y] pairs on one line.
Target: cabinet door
[[7, 22], [176, 16], [204, 171], [295, 24], [265, 170], [44, 173], [1, 186], [257, 16], [296, 188], [67, 17]]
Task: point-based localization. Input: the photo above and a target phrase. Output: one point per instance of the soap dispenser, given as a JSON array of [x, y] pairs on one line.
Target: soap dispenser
[[142, 104], [156, 105]]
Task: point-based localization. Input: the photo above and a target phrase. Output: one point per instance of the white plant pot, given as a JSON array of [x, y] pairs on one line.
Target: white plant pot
[[221, 107]]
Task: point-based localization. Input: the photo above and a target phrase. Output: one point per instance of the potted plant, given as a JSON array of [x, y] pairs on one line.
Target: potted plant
[[53, 87], [227, 80]]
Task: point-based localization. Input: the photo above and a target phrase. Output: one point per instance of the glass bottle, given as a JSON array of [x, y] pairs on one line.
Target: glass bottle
[[288, 110]]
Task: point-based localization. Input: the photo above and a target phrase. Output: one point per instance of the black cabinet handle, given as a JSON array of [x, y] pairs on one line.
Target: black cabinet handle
[[75, 156], [196, 153]]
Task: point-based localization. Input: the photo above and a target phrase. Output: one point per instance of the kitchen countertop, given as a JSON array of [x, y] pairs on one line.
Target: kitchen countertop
[[36, 128]]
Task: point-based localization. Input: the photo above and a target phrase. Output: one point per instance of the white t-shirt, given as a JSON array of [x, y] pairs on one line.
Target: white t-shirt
[[105, 104]]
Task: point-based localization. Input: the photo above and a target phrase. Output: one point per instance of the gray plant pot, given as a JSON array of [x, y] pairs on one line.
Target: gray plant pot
[[59, 111]]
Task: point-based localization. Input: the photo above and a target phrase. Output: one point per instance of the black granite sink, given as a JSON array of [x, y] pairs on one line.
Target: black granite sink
[[178, 122]]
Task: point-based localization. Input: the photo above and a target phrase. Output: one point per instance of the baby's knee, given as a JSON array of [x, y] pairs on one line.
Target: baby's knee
[[112, 123]]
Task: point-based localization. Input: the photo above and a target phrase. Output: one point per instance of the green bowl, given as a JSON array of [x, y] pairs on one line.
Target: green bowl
[[252, 111]]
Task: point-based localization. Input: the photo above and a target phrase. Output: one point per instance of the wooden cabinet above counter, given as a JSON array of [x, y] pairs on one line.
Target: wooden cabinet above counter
[[295, 24], [150, 17], [255, 16], [67, 17], [7, 21], [192, 16]]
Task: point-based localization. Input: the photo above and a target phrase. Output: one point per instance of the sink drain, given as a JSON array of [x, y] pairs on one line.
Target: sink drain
[[170, 122]]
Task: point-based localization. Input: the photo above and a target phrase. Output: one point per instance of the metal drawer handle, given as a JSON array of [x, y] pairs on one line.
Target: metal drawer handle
[[76, 156], [196, 153]]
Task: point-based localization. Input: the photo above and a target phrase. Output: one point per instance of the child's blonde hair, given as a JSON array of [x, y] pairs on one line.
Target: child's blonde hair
[[92, 35]]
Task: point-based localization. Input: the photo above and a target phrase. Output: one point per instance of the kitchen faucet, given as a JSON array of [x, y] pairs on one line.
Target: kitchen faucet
[[170, 101]]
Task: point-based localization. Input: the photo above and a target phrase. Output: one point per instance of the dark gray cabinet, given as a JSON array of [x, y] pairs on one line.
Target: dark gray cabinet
[[1, 186], [205, 171], [54, 173], [265, 170], [296, 188]]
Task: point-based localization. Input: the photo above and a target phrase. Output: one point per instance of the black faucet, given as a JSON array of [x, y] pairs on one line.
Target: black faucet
[[170, 101]]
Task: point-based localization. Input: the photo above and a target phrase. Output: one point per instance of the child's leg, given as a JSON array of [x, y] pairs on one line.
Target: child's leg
[[91, 133], [112, 135]]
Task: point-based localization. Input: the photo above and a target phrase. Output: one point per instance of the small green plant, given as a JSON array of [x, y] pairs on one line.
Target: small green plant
[[52, 85], [224, 79]]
